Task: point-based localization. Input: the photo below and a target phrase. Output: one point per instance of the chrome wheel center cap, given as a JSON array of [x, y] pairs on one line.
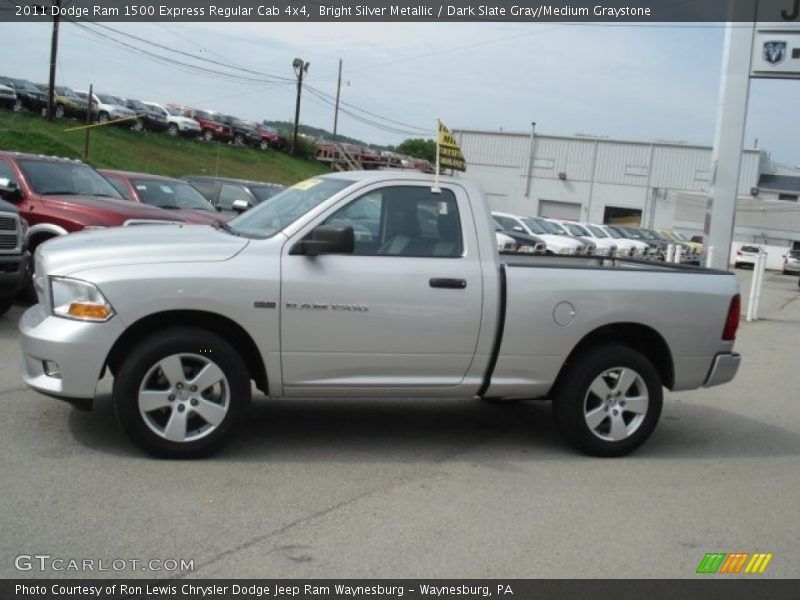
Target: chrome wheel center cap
[[183, 395]]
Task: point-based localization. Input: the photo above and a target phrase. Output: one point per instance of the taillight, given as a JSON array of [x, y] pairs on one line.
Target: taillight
[[732, 322]]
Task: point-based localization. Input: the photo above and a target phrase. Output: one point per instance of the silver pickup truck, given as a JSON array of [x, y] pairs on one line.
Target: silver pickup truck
[[371, 285]]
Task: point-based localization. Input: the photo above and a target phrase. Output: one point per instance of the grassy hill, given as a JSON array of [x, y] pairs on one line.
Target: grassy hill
[[117, 148]]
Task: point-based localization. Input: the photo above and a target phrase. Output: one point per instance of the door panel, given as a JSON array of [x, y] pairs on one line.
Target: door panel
[[353, 323]]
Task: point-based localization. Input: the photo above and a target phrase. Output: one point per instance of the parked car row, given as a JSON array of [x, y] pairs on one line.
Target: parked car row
[[20, 94], [562, 237]]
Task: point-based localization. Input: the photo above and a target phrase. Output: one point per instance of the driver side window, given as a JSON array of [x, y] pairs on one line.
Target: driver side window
[[403, 221]]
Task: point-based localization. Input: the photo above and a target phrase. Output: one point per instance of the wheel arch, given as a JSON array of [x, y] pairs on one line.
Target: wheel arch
[[639, 337], [42, 232], [214, 322]]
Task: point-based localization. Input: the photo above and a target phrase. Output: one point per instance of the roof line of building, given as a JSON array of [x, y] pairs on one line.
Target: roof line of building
[[591, 138]]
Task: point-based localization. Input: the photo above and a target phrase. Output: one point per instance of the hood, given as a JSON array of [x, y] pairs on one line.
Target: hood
[[7, 207], [142, 244], [559, 241], [198, 216], [102, 210], [185, 121]]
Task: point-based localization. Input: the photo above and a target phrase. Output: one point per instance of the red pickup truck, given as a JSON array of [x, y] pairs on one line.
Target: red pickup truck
[[58, 196]]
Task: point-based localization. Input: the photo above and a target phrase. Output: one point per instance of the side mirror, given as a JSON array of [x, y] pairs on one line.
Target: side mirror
[[327, 239], [240, 205], [10, 191]]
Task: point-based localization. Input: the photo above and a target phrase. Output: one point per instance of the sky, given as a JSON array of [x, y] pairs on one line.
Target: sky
[[632, 82]]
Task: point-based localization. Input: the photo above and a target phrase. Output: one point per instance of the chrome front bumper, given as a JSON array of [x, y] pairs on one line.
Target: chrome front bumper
[[723, 369], [64, 357]]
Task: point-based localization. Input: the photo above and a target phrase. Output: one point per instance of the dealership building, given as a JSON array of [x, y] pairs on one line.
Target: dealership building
[[661, 184]]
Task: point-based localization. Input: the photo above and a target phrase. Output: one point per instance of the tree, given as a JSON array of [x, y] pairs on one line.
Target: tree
[[419, 148]]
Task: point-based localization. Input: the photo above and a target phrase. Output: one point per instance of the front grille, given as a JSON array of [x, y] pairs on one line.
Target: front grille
[[8, 242], [9, 234]]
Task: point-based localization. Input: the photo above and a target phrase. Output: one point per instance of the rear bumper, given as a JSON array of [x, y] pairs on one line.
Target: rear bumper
[[723, 369]]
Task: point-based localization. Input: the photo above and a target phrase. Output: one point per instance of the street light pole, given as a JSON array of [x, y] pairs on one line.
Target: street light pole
[[300, 68]]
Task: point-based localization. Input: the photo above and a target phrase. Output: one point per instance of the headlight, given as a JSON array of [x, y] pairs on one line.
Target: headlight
[[526, 250], [81, 300], [565, 251]]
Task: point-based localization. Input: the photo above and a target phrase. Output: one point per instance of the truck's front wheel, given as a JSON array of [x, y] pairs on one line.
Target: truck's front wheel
[[609, 400], [180, 393]]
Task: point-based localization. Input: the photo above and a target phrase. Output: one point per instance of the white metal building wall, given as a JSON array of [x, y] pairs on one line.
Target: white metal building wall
[[518, 170]]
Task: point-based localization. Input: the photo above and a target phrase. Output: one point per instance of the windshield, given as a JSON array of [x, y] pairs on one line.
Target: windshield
[[51, 177], [65, 91], [617, 235], [170, 194], [175, 112], [597, 231], [576, 229], [21, 84], [534, 226], [285, 208], [262, 192], [630, 232], [137, 105], [107, 99], [552, 227]]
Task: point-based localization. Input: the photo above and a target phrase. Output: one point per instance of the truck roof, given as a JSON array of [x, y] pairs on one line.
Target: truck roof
[[28, 156], [383, 174]]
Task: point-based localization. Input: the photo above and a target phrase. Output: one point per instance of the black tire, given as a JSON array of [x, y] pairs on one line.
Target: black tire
[[208, 135], [573, 398], [238, 139], [263, 145], [5, 304], [17, 107], [60, 112], [192, 344], [172, 129], [138, 125], [103, 118]]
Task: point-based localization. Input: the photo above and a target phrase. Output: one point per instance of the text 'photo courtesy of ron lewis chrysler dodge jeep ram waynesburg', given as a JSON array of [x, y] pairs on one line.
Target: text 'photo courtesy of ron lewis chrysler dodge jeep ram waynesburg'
[[364, 284]]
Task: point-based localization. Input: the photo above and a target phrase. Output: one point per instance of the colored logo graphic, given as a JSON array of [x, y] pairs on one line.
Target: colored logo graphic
[[734, 563]]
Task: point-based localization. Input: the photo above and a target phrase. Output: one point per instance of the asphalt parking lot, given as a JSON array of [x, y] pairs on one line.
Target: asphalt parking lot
[[419, 488]]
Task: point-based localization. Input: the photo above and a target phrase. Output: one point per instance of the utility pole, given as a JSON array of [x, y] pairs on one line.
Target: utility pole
[[53, 57], [338, 91], [300, 68]]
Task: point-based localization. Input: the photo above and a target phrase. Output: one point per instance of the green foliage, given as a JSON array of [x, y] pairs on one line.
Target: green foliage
[[117, 148], [306, 148], [419, 148]]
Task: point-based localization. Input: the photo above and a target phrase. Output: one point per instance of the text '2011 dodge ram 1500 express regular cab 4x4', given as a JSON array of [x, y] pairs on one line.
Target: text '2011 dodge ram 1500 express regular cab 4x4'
[[369, 285]]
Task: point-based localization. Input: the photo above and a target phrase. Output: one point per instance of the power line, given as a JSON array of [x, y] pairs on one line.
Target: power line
[[198, 58], [184, 66], [367, 112]]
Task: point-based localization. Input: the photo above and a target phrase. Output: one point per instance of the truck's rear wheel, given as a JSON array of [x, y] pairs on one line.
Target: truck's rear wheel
[[609, 400], [180, 393]]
